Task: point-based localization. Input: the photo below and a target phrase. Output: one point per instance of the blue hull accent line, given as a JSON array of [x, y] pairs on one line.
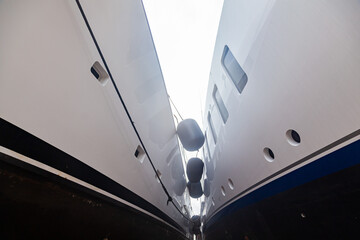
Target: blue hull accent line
[[336, 161]]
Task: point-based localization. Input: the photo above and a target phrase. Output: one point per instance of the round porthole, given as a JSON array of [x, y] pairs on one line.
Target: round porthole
[[269, 154], [231, 184], [223, 191], [293, 137]]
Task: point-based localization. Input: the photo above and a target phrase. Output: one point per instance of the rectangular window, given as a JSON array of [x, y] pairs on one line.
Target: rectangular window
[[233, 69], [211, 125], [207, 146], [220, 104]]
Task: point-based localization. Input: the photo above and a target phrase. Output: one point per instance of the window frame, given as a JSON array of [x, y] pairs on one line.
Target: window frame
[[244, 78], [211, 127], [224, 113]]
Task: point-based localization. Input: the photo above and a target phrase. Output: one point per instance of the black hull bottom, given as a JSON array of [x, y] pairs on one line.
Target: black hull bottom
[[325, 208], [36, 206]]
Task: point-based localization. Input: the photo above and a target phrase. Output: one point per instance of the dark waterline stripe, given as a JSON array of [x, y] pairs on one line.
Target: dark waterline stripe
[[340, 159], [20, 141]]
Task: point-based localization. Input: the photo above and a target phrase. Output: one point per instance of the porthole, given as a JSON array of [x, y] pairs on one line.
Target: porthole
[[269, 154], [231, 184], [293, 137], [223, 191]]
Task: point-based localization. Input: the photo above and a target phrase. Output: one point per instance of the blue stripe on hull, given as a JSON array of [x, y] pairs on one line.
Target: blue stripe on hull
[[340, 159]]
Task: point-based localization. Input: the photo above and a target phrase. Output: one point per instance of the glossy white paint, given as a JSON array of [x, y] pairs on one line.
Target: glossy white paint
[[302, 59], [303, 65], [47, 89]]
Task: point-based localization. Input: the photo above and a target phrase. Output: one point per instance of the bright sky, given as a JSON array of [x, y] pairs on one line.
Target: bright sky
[[184, 32]]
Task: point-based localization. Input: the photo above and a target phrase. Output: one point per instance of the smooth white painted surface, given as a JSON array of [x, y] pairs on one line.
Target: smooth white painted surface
[[303, 65], [47, 89]]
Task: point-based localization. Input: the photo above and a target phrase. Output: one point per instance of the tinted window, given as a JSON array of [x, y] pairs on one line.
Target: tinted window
[[211, 125], [233, 69], [220, 104], [207, 146]]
